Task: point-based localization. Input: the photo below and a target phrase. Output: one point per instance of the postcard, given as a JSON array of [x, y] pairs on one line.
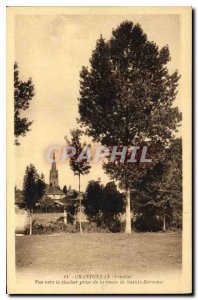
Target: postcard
[[99, 166]]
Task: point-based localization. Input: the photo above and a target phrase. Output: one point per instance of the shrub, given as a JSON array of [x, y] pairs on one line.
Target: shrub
[[145, 223], [115, 226], [59, 226]]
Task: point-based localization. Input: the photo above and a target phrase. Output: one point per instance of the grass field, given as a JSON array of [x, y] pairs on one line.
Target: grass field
[[145, 252]]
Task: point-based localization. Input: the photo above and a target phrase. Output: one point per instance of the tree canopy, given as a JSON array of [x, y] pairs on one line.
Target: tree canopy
[[23, 94], [128, 91], [158, 193], [103, 204], [81, 167], [33, 186]]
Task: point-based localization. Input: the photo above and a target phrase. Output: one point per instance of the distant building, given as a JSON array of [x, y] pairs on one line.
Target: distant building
[[53, 190], [53, 176]]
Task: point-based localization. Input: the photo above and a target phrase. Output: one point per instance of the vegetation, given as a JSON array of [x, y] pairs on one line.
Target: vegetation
[[127, 93], [23, 94], [33, 189], [103, 205], [109, 252], [80, 167], [157, 195], [45, 204], [126, 99]]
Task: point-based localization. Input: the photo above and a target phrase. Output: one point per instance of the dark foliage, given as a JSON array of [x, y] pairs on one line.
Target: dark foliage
[[103, 205], [33, 187], [157, 197], [23, 94]]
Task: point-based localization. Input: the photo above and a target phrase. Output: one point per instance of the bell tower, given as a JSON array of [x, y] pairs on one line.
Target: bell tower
[[53, 178]]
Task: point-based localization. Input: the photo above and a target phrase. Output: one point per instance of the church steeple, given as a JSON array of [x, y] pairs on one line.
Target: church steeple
[[53, 178], [53, 167]]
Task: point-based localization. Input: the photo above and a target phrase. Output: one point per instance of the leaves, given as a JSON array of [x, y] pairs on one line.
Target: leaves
[[128, 92], [33, 186], [159, 190], [103, 204], [23, 94], [82, 167]]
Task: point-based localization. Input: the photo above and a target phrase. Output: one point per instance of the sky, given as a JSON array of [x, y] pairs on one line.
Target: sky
[[51, 49]]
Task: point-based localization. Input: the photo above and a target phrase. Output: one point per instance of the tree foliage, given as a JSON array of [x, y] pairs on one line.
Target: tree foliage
[[65, 189], [92, 199], [82, 167], [72, 205], [46, 204], [127, 91], [104, 204], [158, 193], [23, 94], [33, 186]]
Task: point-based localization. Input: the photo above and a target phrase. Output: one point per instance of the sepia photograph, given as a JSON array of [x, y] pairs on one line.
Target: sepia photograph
[[99, 142]]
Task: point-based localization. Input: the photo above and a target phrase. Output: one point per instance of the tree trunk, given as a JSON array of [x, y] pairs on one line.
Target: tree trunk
[[65, 211], [164, 223], [74, 220], [128, 212], [65, 216], [30, 219], [80, 209]]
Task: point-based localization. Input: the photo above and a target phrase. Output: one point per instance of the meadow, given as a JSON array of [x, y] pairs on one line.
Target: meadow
[[107, 252]]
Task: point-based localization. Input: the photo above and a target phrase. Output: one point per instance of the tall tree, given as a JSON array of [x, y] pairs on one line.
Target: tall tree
[[158, 193], [23, 94], [33, 189], [128, 93], [79, 167], [173, 182]]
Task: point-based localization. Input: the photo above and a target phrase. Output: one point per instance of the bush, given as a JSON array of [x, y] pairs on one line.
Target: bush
[[176, 223], [53, 228], [115, 226], [58, 226], [147, 223], [92, 227], [61, 219]]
